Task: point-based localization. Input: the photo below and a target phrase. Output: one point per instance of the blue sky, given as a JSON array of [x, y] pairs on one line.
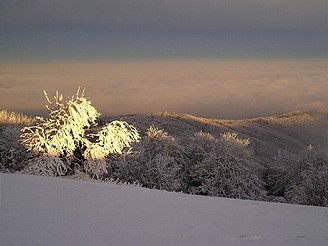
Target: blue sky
[[155, 29]]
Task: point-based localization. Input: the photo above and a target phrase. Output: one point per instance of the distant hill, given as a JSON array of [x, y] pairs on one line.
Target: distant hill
[[293, 131]]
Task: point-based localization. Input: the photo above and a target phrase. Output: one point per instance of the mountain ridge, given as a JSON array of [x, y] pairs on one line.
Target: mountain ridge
[[293, 131]]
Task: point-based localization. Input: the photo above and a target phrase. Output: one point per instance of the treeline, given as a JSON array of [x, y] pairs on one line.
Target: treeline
[[201, 164]]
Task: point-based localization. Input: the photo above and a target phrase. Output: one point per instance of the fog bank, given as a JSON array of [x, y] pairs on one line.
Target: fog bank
[[208, 88]]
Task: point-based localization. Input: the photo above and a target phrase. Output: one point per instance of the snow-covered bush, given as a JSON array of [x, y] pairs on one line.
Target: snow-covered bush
[[285, 173], [67, 134], [202, 164], [156, 162], [312, 188], [115, 138], [9, 118], [59, 134], [12, 153], [223, 167], [46, 165], [232, 137], [301, 178]]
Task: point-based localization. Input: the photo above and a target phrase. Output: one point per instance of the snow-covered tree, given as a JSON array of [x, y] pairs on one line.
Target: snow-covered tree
[[59, 134], [157, 162], [113, 138], [223, 166], [67, 132], [301, 178], [12, 153], [201, 164]]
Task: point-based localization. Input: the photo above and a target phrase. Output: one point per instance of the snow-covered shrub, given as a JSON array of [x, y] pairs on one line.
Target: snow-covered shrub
[[59, 134], [285, 173], [233, 138], [202, 164], [301, 178], [96, 168], [9, 118], [223, 167], [198, 145], [67, 134], [116, 137], [156, 162], [12, 152], [113, 138], [45, 165], [312, 188], [196, 148]]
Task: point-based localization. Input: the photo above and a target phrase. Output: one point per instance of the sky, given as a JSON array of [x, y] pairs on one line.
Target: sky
[[134, 29], [135, 55], [169, 15]]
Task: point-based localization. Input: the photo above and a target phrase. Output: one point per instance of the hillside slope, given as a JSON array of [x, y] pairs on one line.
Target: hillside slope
[[55, 211], [293, 131]]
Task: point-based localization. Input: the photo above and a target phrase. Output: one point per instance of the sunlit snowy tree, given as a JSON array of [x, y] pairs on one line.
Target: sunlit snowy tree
[[67, 132]]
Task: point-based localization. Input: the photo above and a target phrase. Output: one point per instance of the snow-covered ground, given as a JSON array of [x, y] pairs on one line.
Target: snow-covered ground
[[55, 211]]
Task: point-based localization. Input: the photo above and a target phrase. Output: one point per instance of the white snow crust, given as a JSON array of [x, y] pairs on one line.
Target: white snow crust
[[50, 211]]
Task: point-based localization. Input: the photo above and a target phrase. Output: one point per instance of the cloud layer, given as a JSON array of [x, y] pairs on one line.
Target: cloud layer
[[235, 89], [168, 15]]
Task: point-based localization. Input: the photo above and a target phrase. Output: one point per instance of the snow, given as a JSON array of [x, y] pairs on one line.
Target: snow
[[49, 211]]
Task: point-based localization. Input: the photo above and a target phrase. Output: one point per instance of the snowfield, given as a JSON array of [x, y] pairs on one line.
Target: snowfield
[[49, 211]]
